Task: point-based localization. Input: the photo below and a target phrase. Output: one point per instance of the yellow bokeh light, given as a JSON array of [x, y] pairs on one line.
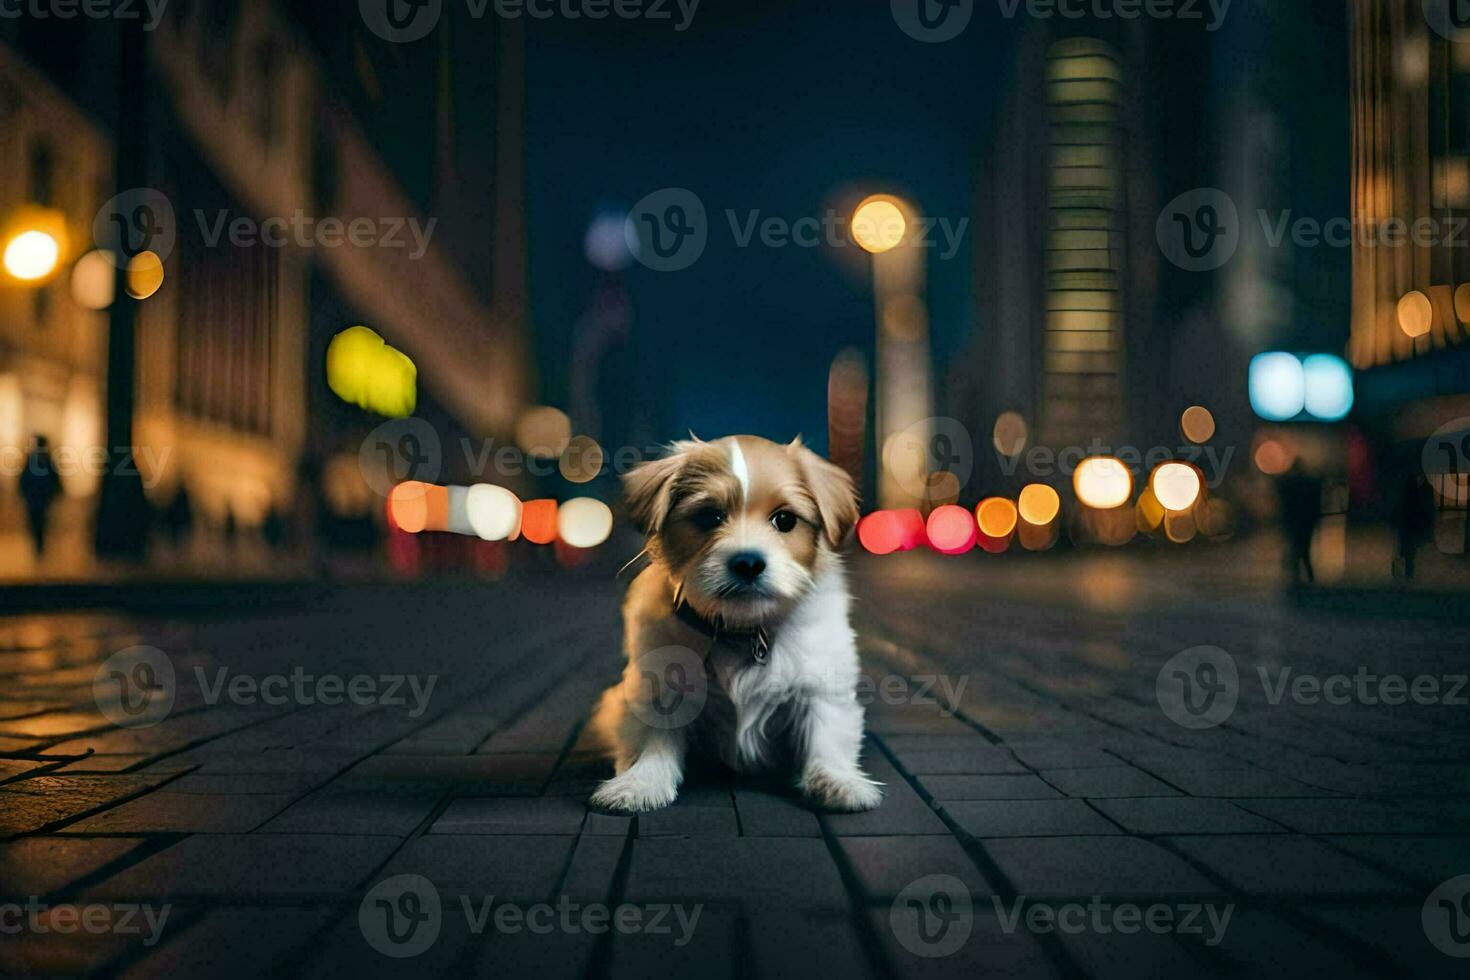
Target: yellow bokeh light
[[1176, 485], [1039, 504], [1197, 424], [996, 517], [543, 432], [582, 460], [1416, 313], [145, 275], [1103, 482], [584, 522], [32, 255], [363, 370], [1010, 434], [94, 281], [878, 224]]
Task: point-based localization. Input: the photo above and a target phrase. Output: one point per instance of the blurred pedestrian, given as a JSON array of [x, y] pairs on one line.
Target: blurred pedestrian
[[1415, 519], [39, 488], [1301, 510]]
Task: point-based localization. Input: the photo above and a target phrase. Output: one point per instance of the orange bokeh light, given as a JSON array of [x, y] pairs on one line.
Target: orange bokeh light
[[408, 506], [1039, 504], [996, 519], [538, 521]]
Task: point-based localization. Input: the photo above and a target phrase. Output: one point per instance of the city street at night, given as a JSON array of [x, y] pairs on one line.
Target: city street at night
[[1019, 716]]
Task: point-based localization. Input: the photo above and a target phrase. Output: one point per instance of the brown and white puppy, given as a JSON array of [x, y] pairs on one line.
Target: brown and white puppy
[[737, 633]]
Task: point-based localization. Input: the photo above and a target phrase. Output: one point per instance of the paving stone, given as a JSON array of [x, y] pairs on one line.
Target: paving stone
[[1259, 943], [185, 813], [1184, 815], [1077, 867], [767, 815], [1113, 783], [902, 811], [1129, 956], [343, 952], [1061, 755], [989, 950], [885, 866], [521, 954], [239, 867], [785, 872], [102, 764], [982, 758], [607, 824], [234, 942], [1395, 933], [1028, 818], [1283, 865], [595, 859], [690, 821], [43, 865], [989, 788], [30, 804], [355, 808], [1338, 816], [236, 784], [1236, 783], [711, 949], [11, 769], [1429, 860], [506, 774], [541, 815], [801, 944], [512, 868]]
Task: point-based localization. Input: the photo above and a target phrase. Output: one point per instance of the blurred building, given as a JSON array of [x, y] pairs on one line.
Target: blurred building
[[1411, 290], [247, 121]]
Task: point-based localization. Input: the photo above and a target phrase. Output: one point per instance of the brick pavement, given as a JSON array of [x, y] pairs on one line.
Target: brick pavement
[[1022, 740]]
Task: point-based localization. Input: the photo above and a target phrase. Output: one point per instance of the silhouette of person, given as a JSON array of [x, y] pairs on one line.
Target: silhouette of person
[[1301, 509], [1414, 518], [39, 488]]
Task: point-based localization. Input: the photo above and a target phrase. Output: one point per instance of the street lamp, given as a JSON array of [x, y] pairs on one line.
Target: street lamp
[[34, 243]]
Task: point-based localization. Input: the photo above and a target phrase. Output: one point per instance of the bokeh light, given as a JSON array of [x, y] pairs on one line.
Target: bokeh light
[[1150, 512], [1102, 482], [996, 519], [494, 512], [94, 281], [606, 244], [436, 507], [408, 506], [144, 275], [584, 522], [1278, 387], [1329, 387], [1010, 435], [539, 521], [1415, 313], [1274, 456], [582, 460], [32, 255], [1176, 485], [887, 531], [543, 432], [878, 224], [363, 370], [1197, 424], [1039, 504], [951, 530]]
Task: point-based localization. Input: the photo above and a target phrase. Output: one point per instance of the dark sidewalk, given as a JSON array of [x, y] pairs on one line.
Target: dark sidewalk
[[277, 836]]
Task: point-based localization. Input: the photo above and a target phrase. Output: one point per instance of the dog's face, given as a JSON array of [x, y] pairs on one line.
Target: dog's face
[[743, 524]]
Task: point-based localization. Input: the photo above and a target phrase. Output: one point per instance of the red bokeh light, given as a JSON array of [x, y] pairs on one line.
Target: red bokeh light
[[952, 530]]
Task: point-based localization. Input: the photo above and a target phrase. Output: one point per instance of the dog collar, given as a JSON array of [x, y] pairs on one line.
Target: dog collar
[[758, 640]]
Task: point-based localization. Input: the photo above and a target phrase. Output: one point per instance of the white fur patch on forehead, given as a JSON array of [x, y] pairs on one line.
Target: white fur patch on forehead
[[738, 467]]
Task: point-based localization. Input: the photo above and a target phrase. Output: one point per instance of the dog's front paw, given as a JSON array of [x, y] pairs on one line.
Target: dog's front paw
[[847, 793], [634, 793]]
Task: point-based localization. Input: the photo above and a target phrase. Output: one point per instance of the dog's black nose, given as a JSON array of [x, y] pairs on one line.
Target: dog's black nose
[[747, 565]]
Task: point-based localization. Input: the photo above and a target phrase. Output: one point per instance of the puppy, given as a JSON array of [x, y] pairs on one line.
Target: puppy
[[737, 632]]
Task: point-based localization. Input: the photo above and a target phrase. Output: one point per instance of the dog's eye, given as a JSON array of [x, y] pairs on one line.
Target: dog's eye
[[784, 521], [707, 519]]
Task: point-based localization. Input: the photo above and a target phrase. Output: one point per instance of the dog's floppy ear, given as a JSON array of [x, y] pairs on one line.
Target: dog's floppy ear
[[648, 487], [837, 499]]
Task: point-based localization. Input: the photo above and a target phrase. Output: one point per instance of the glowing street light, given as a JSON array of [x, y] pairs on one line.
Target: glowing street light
[[1176, 485], [32, 255], [1103, 483], [878, 224]]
